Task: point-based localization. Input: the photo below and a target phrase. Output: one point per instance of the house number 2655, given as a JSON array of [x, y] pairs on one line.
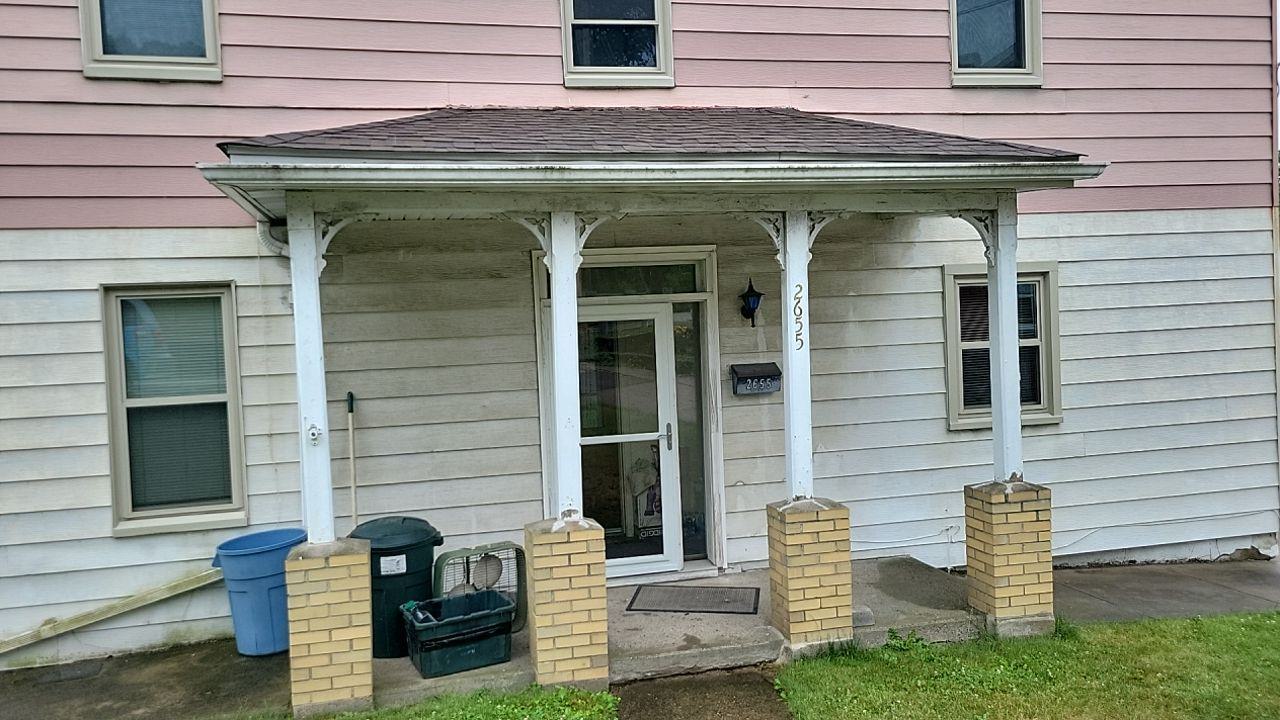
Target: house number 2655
[[797, 309]]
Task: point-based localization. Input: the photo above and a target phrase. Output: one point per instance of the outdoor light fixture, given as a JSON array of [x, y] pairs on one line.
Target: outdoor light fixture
[[750, 302]]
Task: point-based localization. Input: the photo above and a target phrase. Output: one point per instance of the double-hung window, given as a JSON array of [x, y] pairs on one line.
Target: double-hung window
[[175, 412], [617, 43], [996, 42], [150, 39], [968, 345]]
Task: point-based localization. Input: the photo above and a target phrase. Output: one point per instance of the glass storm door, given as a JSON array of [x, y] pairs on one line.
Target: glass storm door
[[630, 448]]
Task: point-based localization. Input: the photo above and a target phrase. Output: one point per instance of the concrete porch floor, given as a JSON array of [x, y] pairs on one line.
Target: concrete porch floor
[[900, 593]]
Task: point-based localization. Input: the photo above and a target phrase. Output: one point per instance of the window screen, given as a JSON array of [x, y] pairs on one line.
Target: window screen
[[176, 405], [153, 28]]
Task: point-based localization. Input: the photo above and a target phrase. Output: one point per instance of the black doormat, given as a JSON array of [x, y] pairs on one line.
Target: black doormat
[[695, 599]]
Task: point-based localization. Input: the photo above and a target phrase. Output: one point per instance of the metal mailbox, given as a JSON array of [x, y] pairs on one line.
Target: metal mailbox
[[756, 378]]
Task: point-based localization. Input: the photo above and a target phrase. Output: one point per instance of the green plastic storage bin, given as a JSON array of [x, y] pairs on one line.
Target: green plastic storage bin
[[464, 632], [402, 553]]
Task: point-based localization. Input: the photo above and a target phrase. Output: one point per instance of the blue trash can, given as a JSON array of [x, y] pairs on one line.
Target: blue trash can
[[253, 569]]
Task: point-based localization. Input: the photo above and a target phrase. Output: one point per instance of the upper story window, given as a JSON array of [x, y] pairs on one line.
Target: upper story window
[[175, 409], [996, 42], [617, 43], [150, 39], [968, 344]]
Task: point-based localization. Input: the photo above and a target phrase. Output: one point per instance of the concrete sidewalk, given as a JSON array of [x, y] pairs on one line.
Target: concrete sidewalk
[[1135, 592]]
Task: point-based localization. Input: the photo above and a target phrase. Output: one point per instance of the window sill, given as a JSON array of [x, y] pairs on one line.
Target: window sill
[[180, 523], [983, 422], [153, 71], [618, 80], [989, 80]]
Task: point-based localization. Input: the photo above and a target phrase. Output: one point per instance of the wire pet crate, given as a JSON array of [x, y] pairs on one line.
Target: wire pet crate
[[497, 566]]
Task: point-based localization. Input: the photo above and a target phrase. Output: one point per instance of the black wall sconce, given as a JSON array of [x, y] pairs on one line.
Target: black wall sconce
[[750, 302]]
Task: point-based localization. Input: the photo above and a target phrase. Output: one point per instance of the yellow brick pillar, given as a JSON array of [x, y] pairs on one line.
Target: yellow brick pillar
[[810, 571], [330, 627], [568, 619], [1009, 556]]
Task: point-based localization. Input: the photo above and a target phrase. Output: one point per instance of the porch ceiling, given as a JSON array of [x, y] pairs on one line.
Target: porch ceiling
[[521, 157]]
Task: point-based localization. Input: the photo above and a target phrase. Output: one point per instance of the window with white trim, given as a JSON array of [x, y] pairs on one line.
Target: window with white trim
[[617, 43], [177, 459], [968, 345], [995, 43], [150, 39]]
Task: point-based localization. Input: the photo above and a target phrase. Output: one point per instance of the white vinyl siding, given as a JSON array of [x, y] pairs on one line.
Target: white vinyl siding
[[60, 553], [1167, 371], [173, 383], [150, 39], [968, 345], [996, 43], [1168, 388]]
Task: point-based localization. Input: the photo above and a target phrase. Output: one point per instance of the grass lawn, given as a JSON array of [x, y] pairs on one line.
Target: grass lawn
[[1204, 668], [531, 704]]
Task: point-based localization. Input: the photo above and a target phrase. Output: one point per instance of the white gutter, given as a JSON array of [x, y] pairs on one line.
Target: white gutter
[[243, 181], [454, 175]]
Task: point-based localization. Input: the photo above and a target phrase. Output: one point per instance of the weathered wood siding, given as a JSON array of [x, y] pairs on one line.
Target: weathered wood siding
[[1176, 93]]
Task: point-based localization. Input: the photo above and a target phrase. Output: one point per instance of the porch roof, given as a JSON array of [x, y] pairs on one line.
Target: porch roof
[[627, 159], [663, 131]]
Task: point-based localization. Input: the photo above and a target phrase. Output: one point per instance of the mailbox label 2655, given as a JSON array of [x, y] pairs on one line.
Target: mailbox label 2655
[[759, 386]]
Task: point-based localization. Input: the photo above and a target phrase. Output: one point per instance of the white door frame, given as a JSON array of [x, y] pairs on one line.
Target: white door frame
[[704, 256]]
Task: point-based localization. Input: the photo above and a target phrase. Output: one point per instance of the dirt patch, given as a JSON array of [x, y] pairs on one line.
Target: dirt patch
[[191, 681], [745, 694]]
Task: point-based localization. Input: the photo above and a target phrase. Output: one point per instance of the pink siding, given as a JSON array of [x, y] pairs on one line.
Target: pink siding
[[1176, 93]]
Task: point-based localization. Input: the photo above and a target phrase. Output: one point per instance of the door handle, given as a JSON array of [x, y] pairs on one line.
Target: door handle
[[668, 436]]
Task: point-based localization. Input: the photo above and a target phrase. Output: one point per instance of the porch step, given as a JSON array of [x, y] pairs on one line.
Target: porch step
[[760, 644]]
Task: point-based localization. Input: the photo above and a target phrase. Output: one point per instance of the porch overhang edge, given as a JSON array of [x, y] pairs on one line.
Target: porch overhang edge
[[259, 187]]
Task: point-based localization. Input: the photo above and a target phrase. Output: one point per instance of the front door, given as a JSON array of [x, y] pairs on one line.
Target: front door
[[630, 436]]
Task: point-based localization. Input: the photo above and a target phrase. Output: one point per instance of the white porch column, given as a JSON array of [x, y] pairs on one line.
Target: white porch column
[[1002, 300], [797, 386], [793, 233], [306, 245], [808, 536], [562, 235], [564, 255]]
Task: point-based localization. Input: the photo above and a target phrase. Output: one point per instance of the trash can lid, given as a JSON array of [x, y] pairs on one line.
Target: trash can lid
[[397, 531], [262, 541]]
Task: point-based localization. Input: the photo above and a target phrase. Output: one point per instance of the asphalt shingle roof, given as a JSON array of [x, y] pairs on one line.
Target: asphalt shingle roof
[[640, 131]]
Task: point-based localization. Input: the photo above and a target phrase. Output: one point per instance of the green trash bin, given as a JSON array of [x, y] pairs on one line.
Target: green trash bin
[[401, 554]]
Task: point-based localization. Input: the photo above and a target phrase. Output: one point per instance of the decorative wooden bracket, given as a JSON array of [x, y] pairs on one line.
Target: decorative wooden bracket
[[539, 225], [984, 221], [775, 224]]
